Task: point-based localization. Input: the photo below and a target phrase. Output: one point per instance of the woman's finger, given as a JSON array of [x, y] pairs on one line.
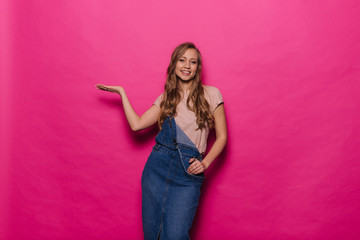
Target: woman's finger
[[190, 169], [104, 87], [192, 164]]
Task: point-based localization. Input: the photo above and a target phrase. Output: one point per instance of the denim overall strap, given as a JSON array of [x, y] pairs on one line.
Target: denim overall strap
[[167, 136]]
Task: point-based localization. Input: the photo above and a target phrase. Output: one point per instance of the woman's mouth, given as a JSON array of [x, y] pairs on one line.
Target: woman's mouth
[[186, 73]]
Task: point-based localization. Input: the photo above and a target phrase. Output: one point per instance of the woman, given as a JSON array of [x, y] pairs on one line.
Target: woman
[[174, 171]]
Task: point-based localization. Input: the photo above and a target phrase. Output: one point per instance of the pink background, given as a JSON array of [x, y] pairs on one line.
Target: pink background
[[289, 74]]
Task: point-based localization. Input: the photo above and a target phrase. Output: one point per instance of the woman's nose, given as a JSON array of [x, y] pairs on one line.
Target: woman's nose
[[187, 64]]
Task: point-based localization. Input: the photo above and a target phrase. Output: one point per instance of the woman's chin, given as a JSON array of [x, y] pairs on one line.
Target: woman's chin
[[185, 79]]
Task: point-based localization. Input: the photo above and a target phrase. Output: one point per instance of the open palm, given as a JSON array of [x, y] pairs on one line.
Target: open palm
[[115, 89]]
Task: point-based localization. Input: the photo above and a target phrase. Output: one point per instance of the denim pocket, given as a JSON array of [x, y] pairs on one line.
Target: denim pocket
[[189, 164], [185, 162]]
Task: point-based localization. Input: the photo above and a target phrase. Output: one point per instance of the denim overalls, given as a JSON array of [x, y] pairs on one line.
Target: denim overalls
[[170, 195]]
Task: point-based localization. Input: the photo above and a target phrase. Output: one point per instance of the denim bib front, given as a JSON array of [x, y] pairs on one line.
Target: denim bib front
[[173, 137]]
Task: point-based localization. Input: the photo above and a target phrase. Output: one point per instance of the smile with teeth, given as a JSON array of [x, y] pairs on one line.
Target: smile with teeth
[[186, 73]]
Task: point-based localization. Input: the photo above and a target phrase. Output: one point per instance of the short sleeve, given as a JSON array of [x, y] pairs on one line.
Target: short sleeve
[[215, 98], [158, 100]]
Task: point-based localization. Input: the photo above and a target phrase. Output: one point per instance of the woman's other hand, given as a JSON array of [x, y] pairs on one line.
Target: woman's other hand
[[196, 166], [115, 89]]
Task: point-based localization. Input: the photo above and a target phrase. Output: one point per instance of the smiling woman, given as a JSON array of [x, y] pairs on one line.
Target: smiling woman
[[174, 171], [187, 65]]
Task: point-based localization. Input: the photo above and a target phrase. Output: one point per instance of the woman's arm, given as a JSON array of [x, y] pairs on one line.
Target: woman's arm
[[217, 147], [221, 136], [136, 122]]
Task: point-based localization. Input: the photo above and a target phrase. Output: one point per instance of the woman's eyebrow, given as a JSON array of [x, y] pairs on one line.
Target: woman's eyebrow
[[190, 58]]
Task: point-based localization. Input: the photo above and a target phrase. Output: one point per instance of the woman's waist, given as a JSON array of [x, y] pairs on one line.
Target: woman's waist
[[185, 150]]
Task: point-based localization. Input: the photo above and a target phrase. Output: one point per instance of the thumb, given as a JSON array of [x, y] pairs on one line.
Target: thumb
[[191, 160]]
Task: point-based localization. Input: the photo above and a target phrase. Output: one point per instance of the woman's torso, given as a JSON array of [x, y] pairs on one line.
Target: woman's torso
[[186, 119]]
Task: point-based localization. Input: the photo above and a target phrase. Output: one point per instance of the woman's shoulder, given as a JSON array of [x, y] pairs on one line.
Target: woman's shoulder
[[211, 90], [213, 96], [209, 87], [159, 99]]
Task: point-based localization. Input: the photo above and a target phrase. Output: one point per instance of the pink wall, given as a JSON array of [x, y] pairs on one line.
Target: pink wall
[[289, 73]]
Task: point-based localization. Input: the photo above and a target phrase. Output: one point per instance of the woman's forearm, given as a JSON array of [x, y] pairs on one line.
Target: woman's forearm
[[132, 117], [215, 151]]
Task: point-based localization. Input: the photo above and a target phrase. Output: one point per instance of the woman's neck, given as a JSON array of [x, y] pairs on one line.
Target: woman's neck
[[185, 85]]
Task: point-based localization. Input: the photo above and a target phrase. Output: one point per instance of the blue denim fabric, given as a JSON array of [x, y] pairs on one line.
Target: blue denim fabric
[[170, 195]]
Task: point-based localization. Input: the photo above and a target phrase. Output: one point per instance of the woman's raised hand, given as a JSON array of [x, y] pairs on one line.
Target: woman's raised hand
[[136, 122], [115, 89]]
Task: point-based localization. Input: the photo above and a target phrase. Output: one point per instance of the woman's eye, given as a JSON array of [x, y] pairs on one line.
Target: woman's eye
[[181, 60], [193, 62]]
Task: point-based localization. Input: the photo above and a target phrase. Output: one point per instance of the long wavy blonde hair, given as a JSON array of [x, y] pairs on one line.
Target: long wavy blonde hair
[[172, 95]]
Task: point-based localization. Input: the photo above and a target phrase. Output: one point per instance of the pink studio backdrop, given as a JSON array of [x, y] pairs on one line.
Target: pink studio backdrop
[[289, 74]]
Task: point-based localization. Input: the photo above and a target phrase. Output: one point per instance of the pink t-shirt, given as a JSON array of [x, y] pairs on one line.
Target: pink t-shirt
[[186, 119]]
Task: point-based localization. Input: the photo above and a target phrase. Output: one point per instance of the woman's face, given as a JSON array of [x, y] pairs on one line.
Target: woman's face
[[187, 65]]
